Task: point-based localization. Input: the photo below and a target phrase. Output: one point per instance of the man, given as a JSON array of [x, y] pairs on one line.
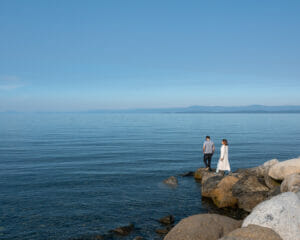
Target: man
[[208, 150]]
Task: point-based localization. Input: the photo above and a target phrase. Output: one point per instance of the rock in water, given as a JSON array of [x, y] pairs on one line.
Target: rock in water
[[138, 238], [281, 170], [222, 194], [203, 227], [167, 220], [187, 174], [163, 231], [124, 231], [171, 181], [249, 191], [291, 183], [281, 213], [252, 232]]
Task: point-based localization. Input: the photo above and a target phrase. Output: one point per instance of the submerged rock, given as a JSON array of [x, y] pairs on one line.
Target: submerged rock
[[167, 220], [171, 181], [281, 213], [163, 231], [138, 238], [124, 231], [203, 227], [187, 174], [281, 170], [291, 183], [252, 232]]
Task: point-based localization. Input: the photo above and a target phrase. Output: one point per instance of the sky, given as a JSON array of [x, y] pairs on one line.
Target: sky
[[69, 55]]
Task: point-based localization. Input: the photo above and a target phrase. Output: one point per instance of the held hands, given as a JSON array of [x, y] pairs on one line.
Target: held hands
[[221, 159]]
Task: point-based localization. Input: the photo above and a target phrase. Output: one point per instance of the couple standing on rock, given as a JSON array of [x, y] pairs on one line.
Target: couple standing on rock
[[209, 149]]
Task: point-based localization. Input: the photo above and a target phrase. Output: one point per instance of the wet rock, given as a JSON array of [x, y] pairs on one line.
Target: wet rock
[[199, 173], [167, 220], [210, 184], [163, 231], [249, 191], [252, 232], [138, 238], [281, 213], [291, 183], [171, 181], [89, 237], [124, 231], [187, 174], [283, 169], [203, 227], [222, 194]]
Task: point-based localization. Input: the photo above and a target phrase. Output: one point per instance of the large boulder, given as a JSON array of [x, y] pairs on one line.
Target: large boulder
[[203, 227], [281, 213], [291, 183], [281, 170], [222, 194], [209, 185], [259, 171], [249, 191], [252, 232]]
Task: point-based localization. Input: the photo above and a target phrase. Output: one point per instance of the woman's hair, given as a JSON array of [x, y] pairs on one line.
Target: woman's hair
[[225, 142]]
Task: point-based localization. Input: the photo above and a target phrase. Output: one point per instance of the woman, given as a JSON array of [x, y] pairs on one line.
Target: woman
[[223, 164]]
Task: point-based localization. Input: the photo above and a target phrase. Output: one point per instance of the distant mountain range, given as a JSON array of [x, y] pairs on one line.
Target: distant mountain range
[[210, 109]]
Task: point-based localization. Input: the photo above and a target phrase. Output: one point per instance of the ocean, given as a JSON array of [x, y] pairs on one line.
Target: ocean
[[68, 175]]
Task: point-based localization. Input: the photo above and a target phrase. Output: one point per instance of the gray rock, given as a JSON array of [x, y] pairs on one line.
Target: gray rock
[[283, 169], [209, 185], [171, 181], [281, 213], [291, 183], [249, 191], [252, 232], [203, 227]]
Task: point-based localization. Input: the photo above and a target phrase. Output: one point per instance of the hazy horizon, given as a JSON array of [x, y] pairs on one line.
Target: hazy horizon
[[78, 55]]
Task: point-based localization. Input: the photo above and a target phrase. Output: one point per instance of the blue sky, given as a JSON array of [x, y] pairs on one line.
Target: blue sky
[[59, 55]]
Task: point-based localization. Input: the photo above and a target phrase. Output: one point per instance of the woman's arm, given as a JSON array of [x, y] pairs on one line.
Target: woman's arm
[[222, 152]]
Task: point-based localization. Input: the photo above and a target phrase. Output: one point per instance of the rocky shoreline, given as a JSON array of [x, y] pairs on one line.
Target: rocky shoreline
[[260, 203], [269, 195]]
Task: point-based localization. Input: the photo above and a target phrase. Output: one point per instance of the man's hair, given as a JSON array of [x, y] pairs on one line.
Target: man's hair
[[208, 137]]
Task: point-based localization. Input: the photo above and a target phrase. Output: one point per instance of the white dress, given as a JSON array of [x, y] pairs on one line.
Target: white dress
[[223, 165]]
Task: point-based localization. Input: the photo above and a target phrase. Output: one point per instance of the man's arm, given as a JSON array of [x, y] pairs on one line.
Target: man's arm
[[204, 148], [213, 148]]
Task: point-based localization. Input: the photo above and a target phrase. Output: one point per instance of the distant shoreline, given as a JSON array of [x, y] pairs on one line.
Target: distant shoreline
[[189, 110]]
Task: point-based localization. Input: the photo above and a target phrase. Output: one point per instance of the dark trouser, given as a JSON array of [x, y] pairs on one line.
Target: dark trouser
[[207, 159]]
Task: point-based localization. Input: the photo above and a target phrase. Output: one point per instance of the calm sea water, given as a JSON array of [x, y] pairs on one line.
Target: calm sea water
[[68, 175]]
